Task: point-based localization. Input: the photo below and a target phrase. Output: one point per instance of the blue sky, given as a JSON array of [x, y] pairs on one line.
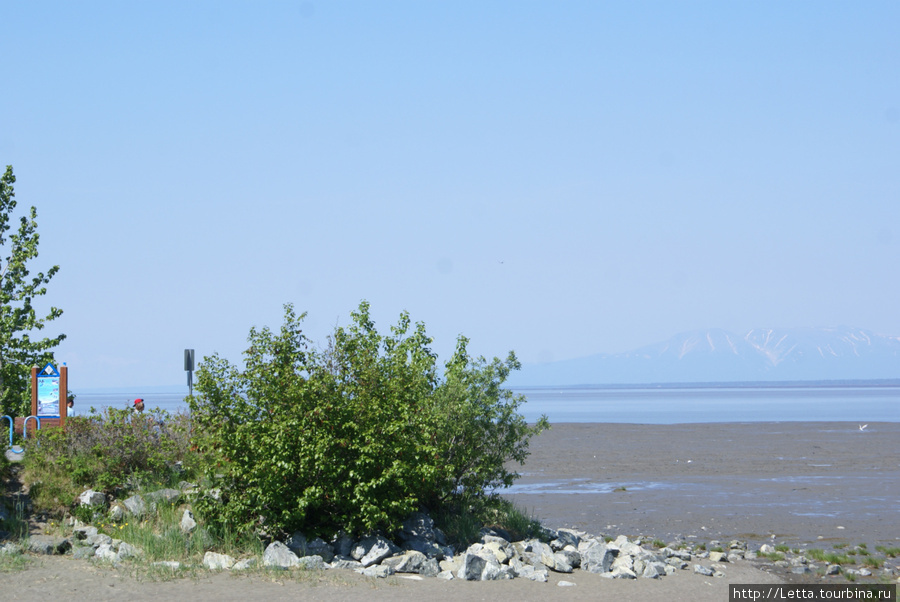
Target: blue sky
[[557, 178]]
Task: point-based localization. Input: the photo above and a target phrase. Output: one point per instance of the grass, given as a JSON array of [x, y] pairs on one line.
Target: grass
[[160, 537], [889, 552], [10, 563], [16, 524], [773, 556], [829, 557], [872, 562], [782, 548], [462, 520]]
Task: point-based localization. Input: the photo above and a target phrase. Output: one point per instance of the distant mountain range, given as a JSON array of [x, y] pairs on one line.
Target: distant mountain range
[[710, 356]]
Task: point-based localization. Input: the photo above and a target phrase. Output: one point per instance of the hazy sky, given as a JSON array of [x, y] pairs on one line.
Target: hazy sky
[[557, 178]]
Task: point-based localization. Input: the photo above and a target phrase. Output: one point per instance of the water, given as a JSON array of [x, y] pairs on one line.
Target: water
[[168, 400], [634, 405], [713, 404]]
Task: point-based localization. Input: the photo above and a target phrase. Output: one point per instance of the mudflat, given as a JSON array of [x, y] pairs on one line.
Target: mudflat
[[809, 482]]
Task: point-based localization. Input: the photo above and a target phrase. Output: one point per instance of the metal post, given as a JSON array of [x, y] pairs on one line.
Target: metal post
[[189, 368]]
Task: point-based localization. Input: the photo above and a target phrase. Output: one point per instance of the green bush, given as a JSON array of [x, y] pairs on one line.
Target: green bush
[[107, 451], [354, 436]]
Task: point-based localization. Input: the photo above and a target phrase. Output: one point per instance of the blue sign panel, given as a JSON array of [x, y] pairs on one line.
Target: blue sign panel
[[48, 392]]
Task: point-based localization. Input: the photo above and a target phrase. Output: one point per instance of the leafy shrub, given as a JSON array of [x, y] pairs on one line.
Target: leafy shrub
[[354, 436], [109, 450]]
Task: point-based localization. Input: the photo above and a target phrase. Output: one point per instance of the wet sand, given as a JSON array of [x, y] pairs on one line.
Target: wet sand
[[797, 481]]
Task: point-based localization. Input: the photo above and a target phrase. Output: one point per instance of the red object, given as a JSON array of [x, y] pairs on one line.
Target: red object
[[138, 400]]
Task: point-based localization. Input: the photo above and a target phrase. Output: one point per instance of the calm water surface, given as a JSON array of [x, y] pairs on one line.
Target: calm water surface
[[693, 405], [645, 406]]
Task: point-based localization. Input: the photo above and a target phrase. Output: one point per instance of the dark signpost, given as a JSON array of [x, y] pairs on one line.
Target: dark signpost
[[189, 368]]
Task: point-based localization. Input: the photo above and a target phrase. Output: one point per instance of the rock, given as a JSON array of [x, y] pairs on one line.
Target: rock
[[83, 532], [188, 524], [342, 544], [279, 555], [565, 584], [318, 547], [500, 551], [679, 554], [345, 563], [766, 549], [620, 572], [106, 552], [529, 571], [92, 498], [654, 570], [429, 548], [718, 557], [218, 562], [83, 552], [372, 550], [168, 564], [430, 568], [136, 505], [311, 563], [297, 544], [676, 563], [408, 562], [377, 571], [126, 550], [99, 539], [703, 570], [801, 570], [418, 526], [598, 558], [445, 575], [11, 549], [572, 557], [565, 537], [47, 544], [472, 567], [117, 512], [162, 496], [833, 569], [243, 565]]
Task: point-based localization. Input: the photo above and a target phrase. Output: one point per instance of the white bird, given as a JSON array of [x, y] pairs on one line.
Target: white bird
[[862, 427]]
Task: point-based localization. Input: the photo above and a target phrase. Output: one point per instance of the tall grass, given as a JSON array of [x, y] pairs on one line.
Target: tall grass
[[160, 537]]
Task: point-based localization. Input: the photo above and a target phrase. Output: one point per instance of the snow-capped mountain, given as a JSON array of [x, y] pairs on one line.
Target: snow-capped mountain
[[787, 354]]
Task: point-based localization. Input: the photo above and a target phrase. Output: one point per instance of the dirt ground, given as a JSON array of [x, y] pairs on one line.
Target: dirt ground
[[60, 578]]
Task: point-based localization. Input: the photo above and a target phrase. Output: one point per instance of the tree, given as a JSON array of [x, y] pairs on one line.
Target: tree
[[354, 436], [18, 316]]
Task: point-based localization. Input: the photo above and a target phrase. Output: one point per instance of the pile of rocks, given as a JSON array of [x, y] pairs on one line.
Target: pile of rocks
[[422, 550], [418, 548]]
